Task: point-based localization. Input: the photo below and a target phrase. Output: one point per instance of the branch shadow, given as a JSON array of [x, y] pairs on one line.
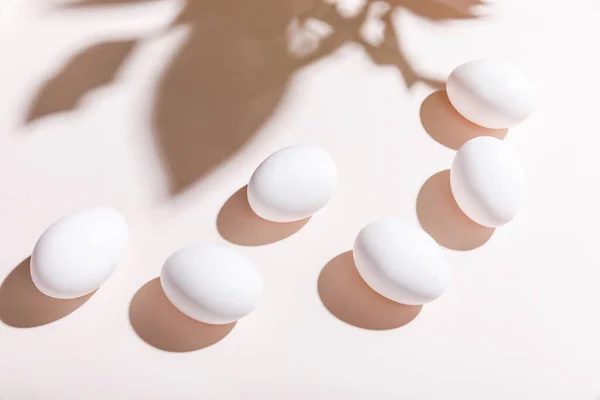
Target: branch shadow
[[238, 224], [230, 74], [346, 295], [441, 10], [446, 126], [440, 216], [22, 305], [160, 324]]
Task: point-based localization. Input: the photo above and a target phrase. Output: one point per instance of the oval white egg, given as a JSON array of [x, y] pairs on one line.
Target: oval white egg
[[292, 183], [211, 283], [401, 262], [487, 181], [491, 93], [78, 253]]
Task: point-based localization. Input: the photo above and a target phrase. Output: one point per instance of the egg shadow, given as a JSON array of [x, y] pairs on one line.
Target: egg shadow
[[346, 295], [238, 224], [157, 322], [446, 126], [440, 216], [22, 305]]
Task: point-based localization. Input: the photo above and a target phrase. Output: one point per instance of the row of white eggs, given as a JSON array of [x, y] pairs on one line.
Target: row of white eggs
[[487, 180], [216, 284]]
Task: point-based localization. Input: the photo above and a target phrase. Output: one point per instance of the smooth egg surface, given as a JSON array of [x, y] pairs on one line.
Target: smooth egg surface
[[78, 253], [211, 283], [487, 181], [491, 93], [292, 183], [401, 262]]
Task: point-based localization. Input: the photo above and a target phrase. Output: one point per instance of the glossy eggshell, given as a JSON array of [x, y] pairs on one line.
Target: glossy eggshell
[[487, 181], [491, 93], [78, 253], [293, 183], [401, 262], [211, 283]]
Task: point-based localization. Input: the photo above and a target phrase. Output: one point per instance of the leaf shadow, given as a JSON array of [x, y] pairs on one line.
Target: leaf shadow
[[231, 73], [95, 67]]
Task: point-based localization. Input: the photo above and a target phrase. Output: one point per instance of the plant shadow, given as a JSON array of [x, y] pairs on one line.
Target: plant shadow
[[230, 74], [160, 324], [22, 305], [346, 295]]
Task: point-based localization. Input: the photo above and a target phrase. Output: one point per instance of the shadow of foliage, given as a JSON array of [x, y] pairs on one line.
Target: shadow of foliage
[[231, 72]]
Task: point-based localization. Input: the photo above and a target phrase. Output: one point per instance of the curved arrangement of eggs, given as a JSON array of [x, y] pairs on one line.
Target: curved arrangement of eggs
[[486, 177], [215, 284]]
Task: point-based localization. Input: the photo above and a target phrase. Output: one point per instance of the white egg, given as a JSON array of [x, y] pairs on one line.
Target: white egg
[[292, 183], [211, 283], [491, 93], [487, 181], [401, 262], [78, 253]]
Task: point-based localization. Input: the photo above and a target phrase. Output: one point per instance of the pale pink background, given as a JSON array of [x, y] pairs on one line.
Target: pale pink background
[[520, 320]]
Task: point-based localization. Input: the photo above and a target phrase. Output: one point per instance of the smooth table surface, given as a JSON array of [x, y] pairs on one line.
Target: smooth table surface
[[162, 110]]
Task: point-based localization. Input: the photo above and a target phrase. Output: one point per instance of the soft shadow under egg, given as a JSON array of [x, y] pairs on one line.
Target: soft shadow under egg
[[161, 325], [440, 216], [238, 224], [22, 305], [346, 295], [447, 127]]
